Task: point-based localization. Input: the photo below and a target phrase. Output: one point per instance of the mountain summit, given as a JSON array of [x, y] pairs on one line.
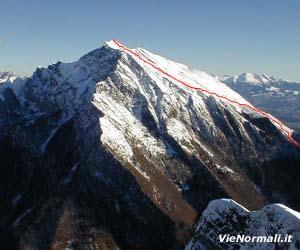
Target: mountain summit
[[109, 152]]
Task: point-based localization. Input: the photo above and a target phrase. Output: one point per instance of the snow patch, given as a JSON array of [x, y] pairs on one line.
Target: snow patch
[[225, 169]]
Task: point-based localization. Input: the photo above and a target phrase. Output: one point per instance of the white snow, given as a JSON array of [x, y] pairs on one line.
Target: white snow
[[12, 81], [206, 150], [111, 44], [194, 78], [177, 129], [198, 79], [250, 78], [216, 207], [273, 89], [225, 169]]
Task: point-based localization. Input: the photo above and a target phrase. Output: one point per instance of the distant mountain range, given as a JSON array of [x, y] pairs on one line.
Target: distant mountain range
[[109, 153], [279, 97]]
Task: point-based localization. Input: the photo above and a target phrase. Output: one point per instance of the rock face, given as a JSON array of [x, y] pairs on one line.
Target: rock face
[[107, 153], [226, 217], [279, 97]]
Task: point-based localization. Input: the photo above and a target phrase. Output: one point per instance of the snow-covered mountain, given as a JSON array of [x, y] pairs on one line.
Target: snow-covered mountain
[[10, 80], [279, 97], [7, 76], [226, 217], [250, 78], [108, 151]]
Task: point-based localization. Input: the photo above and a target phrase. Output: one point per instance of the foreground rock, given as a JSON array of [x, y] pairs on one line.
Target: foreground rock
[[225, 217]]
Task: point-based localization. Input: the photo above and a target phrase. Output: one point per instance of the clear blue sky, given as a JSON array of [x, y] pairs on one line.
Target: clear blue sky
[[217, 36]]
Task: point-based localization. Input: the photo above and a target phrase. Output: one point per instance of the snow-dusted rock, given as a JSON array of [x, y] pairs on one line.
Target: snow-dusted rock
[[225, 217]]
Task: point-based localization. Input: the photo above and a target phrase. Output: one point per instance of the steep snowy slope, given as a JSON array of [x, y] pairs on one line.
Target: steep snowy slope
[[226, 217], [276, 96], [108, 151]]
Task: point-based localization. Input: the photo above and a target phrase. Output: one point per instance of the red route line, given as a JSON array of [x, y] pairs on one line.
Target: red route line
[[279, 123]]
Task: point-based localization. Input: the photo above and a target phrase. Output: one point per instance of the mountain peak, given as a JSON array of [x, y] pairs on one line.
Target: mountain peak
[[111, 44], [7, 76], [134, 137], [250, 78]]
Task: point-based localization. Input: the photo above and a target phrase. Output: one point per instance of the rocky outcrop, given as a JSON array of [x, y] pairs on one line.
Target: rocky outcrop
[[225, 218]]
